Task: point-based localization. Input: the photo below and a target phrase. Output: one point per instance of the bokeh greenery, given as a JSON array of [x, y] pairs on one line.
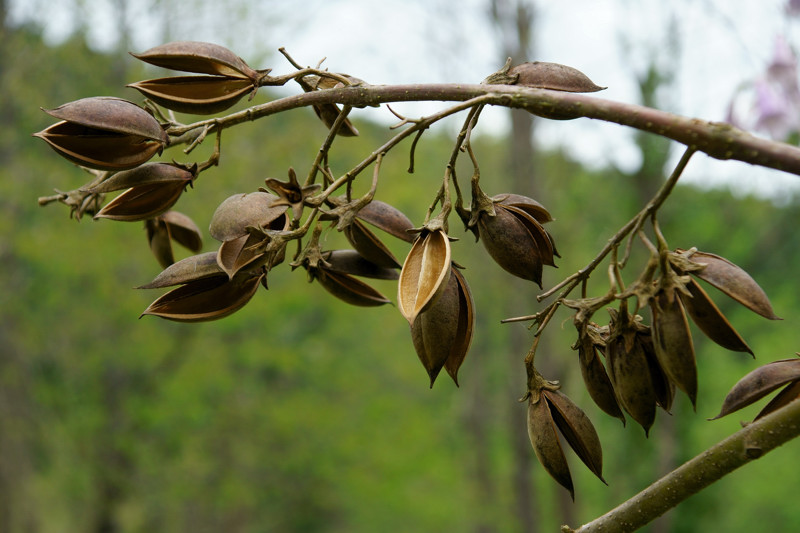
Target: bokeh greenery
[[298, 413]]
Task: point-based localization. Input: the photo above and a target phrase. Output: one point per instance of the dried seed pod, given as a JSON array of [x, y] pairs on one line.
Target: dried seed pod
[[710, 319], [672, 341], [663, 388], [387, 218], [425, 273], [369, 245], [353, 263], [207, 298], [240, 211], [172, 225], [186, 270], [546, 446], [197, 95], [596, 379], [235, 254], [153, 189], [789, 394], [529, 205], [290, 193], [544, 242], [760, 382], [349, 289], [630, 371], [728, 278], [510, 243], [200, 57], [442, 334], [577, 429], [104, 133], [554, 76]]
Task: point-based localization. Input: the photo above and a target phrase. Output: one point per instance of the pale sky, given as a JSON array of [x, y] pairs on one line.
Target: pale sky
[[722, 44]]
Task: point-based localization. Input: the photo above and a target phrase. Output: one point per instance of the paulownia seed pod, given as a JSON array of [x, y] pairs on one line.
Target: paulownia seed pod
[[104, 133], [762, 381], [672, 341], [425, 273], [168, 227]]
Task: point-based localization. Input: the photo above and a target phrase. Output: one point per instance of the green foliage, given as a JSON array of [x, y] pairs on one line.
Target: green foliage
[[299, 413]]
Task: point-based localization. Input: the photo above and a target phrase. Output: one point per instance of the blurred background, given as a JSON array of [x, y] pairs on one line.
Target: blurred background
[[301, 414]]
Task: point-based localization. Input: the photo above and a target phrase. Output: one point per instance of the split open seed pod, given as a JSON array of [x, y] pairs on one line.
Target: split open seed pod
[[347, 288], [328, 113], [710, 319], [199, 57], [187, 270], [549, 413], [354, 264], [442, 334], [207, 298], [725, 276], [672, 341], [594, 374], [761, 382], [152, 189], [104, 133], [168, 227], [554, 76], [197, 95], [425, 273]]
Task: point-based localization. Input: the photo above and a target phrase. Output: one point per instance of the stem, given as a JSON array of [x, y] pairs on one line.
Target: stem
[[718, 140], [747, 444]]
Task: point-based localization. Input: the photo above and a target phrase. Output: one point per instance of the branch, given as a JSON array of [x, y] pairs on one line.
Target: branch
[[716, 139], [747, 444]]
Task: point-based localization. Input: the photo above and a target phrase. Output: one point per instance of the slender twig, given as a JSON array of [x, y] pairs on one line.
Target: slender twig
[[718, 140]]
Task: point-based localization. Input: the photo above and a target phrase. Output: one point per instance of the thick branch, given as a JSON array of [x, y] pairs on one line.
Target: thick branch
[[717, 139], [747, 444]]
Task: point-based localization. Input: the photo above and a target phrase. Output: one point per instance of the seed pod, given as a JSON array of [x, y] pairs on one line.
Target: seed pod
[[387, 218], [442, 334], [554, 76], [353, 263], [546, 446], [673, 341], [349, 289], [240, 211], [728, 278], [197, 95], [596, 379], [369, 245], [789, 394], [529, 205], [510, 243], [630, 372], [207, 298], [200, 57], [710, 319], [104, 133], [760, 382], [153, 189], [172, 225], [577, 429], [663, 388], [186, 270], [425, 273]]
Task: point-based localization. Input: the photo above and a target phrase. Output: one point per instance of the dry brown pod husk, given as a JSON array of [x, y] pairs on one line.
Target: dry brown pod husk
[[510, 243], [172, 225], [153, 188], [240, 211], [200, 57], [672, 341], [761, 382], [710, 319], [353, 263], [596, 379], [442, 334], [197, 95], [186, 270], [425, 273], [349, 289], [554, 76]]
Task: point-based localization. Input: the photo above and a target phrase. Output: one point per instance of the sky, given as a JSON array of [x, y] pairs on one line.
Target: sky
[[722, 45]]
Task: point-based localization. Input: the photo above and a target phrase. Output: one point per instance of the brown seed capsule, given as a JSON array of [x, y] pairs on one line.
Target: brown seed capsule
[[553, 76], [240, 211], [510, 243], [328, 113], [442, 334], [349, 289], [172, 225], [208, 298], [425, 273], [197, 95], [760, 382], [596, 379], [545, 443], [186, 270], [710, 319], [290, 193], [369, 245], [353, 263], [629, 370], [725, 276], [672, 341], [387, 218], [789, 394], [153, 188], [104, 133], [577, 429], [200, 57]]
